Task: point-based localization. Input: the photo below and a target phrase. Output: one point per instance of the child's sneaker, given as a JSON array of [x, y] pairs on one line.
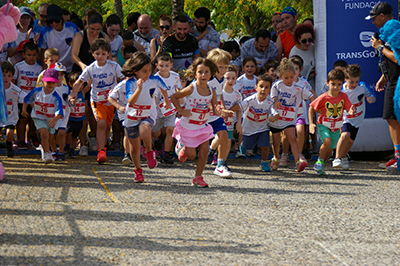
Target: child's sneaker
[[22, 145], [388, 163], [345, 163], [198, 181], [337, 163], [47, 158], [250, 153], [10, 149], [101, 156], [138, 176], [151, 159], [60, 156], [240, 155], [35, 141], [302, 158], [54, 155], [93, 143], [215, 159], [319, 167], [71, 153], [127, 159], [83, 151], [265, 167], [274, 164], [167, 159], [284, 160], [180, 150], [210, 157], [223, 171], [301, 165]]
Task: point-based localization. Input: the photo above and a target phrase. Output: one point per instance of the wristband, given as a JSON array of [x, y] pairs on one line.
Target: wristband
[[380, 48]]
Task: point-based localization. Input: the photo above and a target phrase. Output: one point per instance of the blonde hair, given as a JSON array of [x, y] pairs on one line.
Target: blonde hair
[[285, 66], [219, 56], [50, 52]]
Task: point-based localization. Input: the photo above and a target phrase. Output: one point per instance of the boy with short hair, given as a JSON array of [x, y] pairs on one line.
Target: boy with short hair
[[339, 64], [166, 117], [358, 92], [25, 77], [47, 110], [331, 106], [14, 95], [104, 75], [51, 56], [270, 69]]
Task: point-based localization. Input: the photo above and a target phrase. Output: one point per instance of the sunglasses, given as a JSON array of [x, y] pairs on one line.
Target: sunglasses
[[309, 40], [43, 16], [167, 27], [54, 20]]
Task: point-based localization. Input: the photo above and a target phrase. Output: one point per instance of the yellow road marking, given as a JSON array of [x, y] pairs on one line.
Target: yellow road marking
[[105, 187]]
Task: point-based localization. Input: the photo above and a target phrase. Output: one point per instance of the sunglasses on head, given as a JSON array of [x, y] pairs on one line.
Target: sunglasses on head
[[309, 40], [43, 16], [167, 27], [54, 20]]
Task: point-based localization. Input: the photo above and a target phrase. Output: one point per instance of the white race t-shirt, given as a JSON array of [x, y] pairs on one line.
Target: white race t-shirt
[[116, 44], [104, 79], [231, 99], [26, 75], [45, 106], [304, 106], [14, 95], [119, 94], [247, 86], [217, 85], [63, 92], [173, 83]]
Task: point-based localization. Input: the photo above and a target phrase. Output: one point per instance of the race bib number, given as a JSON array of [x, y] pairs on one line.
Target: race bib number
[[229, 122], [27, 83], [255, 117], [358, 110], [332, 123], [102, 97], [286, 113], [45, 109], [9, 107], [199, 116], [167, 112], [138, 112], [78, 110]]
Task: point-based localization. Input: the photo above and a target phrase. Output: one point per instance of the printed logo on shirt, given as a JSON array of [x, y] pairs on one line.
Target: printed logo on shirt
[[334, 110], [68, 41], [151, 91]]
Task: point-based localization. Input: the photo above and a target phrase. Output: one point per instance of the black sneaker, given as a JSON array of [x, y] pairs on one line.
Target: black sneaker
[[127, 159], [10, 149], [35, 141], [157, 145], [167, 159], [210, 156], [307, 154], [71, 153], [22, 145]]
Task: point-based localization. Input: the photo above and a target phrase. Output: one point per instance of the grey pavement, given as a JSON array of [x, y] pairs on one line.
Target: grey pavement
[[81, 213]]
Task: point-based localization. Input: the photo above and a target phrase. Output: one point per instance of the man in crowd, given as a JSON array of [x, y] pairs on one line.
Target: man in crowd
[[285, 40], [207, 37], [145, 32]]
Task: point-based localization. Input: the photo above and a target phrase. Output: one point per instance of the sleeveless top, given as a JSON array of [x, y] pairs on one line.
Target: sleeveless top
[[287, 43], [84, 55]]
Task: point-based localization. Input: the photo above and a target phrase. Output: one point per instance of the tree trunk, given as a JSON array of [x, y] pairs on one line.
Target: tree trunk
[[118, 9], [249, 28], [177, 8]]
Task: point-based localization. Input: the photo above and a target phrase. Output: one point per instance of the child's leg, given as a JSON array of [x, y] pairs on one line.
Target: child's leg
[[82, 133], [61, 139], [168, 139], [223, 144], [344, 144], [291, 135], [325, 150], [117, 131], [276, 141], [285, 143], [156, 135], [10, 134], [101, 133], [202, 160], [53, 143], [127, 145], [135, 152], [301, 135], [21, 129], [45, 139], [215, 143], [264, 153], [145, 135]]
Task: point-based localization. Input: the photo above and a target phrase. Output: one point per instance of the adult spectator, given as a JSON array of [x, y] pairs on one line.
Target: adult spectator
[[86, 14], [131, 21], [38, 24], [276, 18], [260, 47], [145, 32], [308, 21], [58, 34], [66, 15], [304, 36], [285, 40], [207, 37], [182, 46], [24, 25], [243, 40], [112, 28], [233, 48], [380, 14], [165, 28]]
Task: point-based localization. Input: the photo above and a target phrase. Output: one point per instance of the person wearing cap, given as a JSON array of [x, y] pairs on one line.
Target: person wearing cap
[[47, 110], [38, 24], [380, 14], [285, 41], [207, 37], [58, 34]]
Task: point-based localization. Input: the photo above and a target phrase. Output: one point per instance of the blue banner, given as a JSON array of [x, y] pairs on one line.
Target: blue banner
[[348, 38]]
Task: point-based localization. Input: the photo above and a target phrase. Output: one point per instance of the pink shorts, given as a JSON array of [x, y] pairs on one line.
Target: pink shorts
[[192, 138]]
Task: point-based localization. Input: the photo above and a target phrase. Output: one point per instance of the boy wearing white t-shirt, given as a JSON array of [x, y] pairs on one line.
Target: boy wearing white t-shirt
[[166, 117], [14, 95], [104, 75]]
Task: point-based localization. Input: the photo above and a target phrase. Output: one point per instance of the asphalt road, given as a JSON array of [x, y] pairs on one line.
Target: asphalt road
[[81, 213]]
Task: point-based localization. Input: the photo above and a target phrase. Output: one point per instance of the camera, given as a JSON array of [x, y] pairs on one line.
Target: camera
[[383, 67]]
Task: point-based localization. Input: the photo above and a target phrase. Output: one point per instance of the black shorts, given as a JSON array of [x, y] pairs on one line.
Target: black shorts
[[277, 130], [11, 127], [388, 105], [74, 127], [28, 110], [347, 127]]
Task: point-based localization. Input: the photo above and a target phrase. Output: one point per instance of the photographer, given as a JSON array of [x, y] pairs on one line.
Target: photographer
[[380, 14]]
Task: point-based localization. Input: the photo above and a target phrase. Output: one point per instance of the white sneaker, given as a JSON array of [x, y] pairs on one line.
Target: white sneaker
[[337, 163], [393, 168], [284, 160], [83, 151], [302, 158], [240, 155], [93, 143], [345, 163], [223, 171], [47, 158]]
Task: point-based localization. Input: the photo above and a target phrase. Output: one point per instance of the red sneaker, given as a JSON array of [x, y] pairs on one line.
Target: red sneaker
[[181, 156], [198, 181], [139, 176], [101, 156], [388, 163], [301, 165], [151, 159]]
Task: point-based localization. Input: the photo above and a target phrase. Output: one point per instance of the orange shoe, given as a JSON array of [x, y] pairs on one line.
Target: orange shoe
[[101, 156]]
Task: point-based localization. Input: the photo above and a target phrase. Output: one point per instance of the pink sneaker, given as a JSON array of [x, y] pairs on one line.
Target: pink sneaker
[[139, 176], [198, 181], [180, 150], [274, 164], [151, 159]]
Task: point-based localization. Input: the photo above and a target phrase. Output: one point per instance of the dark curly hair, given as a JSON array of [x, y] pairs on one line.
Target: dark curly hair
[[300, 30]]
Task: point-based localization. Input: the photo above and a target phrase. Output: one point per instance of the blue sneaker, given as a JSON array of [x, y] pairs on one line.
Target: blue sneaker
[[265, 166], [319, 167], [60, 156]]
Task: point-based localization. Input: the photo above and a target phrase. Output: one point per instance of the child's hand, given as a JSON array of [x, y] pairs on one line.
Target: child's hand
[[24, 113], [51, 123], [227, 113], [186, 113], [140, 83], [72, 102], [167, 105], [277, 104], [369, 99], [122, 109], [312, 128], [239, 129], [352, 110], [274, 118], [217, 110]]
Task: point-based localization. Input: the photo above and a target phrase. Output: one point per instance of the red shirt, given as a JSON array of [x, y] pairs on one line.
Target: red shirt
[[287, 43]]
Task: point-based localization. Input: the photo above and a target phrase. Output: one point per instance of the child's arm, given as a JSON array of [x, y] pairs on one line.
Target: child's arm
[[179, 95], [53, 121], [24, 113], [167, 104], [274, 118], [135, 96], [214, 104], [116, 105], [77, 85], [277, 103], [239, 121], [312, 126]]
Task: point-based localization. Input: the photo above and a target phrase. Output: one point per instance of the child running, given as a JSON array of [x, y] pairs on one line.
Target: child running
[[247, 81], [141, 110], [288, 97], [330, 105], [357, 92], [192, 130], [257, 108]]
